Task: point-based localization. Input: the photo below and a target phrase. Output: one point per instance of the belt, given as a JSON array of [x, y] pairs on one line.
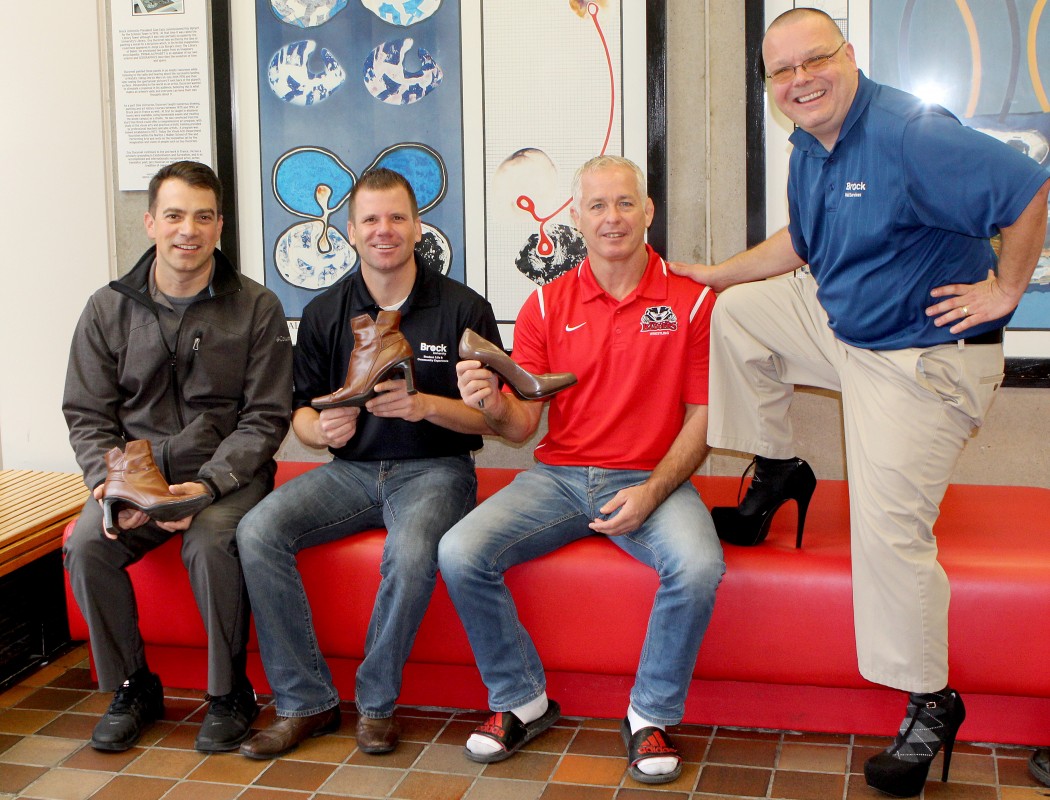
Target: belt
[[988, 337]]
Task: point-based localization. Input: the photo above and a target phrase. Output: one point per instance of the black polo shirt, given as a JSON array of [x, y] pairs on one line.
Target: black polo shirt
[[432, 319]]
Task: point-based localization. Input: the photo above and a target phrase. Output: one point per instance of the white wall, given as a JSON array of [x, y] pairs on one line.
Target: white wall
[[53, 204]]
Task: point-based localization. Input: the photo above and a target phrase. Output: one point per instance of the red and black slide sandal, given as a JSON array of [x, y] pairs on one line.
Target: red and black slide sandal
[[510, 733], [649, 743]]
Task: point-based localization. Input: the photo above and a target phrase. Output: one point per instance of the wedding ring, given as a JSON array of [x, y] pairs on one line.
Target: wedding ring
[[966, 311]]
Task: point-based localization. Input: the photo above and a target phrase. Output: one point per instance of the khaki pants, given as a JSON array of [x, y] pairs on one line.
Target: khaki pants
[[907, 416]]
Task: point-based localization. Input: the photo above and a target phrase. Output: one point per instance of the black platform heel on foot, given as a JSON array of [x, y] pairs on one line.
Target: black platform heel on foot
[[774, 483], [933, 721]]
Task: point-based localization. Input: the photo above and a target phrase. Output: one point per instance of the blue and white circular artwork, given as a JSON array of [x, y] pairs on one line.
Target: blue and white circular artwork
[[312, 255], [292, 80], [402, 12], [387, 79], [306, 13]]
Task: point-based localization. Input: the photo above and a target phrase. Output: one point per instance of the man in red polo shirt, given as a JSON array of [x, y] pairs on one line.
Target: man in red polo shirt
[[619, 450]]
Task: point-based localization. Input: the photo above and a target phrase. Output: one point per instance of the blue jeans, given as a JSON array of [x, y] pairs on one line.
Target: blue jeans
[[547, 507], [417, 500]]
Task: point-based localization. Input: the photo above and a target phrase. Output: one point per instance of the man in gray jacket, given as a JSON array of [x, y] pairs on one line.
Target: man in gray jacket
[[194, 358]]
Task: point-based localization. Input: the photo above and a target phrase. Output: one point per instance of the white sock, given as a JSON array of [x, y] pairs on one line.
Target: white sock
[[530, 712], [657, 765]]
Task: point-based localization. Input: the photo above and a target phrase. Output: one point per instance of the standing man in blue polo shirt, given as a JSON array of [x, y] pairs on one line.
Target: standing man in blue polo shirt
[[891, 205]]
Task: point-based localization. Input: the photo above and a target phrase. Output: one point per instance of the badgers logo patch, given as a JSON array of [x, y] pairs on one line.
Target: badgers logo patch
[[659, 319]]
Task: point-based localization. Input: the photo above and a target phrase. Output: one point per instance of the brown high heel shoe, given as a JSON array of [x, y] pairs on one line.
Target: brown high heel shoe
[[526, 385], [379, 349], [133, 480]]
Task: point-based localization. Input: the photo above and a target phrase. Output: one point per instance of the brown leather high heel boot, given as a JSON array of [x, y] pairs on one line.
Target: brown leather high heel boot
[[379, 349], [132, 479], [526, 385]]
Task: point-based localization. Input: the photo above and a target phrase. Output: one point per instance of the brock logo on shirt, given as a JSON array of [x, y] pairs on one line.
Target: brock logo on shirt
[[659, 319]]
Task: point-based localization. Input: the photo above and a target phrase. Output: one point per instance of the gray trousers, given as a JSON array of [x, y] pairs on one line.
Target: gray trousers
[[97, 568], [907, 414]]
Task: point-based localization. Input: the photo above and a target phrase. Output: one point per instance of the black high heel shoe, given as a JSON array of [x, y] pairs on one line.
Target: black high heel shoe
[[933, 720], [774, 483]]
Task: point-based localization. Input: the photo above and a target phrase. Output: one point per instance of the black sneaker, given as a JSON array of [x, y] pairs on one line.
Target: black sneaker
[[136, 704], [229, 720]]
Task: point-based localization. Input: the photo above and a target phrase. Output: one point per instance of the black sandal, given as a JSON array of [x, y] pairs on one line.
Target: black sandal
[[649, 742], [510, 733]]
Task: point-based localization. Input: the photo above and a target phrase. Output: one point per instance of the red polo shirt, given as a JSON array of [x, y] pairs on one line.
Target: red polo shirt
[[639, 361]]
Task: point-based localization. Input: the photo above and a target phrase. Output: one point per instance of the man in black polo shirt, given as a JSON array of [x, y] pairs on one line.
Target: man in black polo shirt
[[403, 461]]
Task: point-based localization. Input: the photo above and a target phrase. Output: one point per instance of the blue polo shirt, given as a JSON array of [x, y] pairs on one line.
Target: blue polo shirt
[[905, 202]]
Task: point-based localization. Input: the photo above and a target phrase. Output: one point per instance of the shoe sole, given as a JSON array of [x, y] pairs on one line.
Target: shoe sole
[[533, 729]]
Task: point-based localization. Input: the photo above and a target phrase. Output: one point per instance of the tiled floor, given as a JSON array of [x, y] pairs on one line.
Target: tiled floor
[[45, 722]]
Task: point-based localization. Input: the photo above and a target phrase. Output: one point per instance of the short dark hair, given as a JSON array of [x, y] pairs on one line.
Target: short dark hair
[[198, 175], [381, 179]]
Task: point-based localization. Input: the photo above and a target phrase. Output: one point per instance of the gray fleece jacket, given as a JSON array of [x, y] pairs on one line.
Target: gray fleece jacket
[[215, 408]]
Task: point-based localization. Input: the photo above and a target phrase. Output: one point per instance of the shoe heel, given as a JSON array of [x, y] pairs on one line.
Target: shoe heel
[[803, 507], [949, 746], [107, 517], [408, 368]]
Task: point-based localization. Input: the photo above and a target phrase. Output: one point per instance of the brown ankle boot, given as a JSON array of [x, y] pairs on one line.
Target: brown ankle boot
[[134, 480], [379, 349]]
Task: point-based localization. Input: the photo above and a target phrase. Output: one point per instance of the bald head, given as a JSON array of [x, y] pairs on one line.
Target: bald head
[[815, 15]]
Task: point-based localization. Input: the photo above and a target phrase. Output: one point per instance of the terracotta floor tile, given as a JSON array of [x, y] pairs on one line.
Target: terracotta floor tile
[[178, 710], [456, 732], [1014, 772], [743, 752], [935, 790], [486, 788], [363, 781], [447, 758], [229, 768], [859, 756], [592, 770], [602, 724], [41, 751], [89, 758], [724, 779], [420, 729], [593, 742], [70, 726], [807, 785], [813, 758], [67, 784], [553, 740], [75, 678], [1019, 793], [43, 676], [329, 749], [14, 694], [192, 790], [649, 794], [157, 732], [525, 767], [15, 777], [432, 786], [299, 775], [966, 768], [49, 699], [817, 738], [8, 739], [95, 703], [133, 787], [564, 791], [263, 793], [163, 763], [24, 721], [692, 749], [858, 789], [180, 737]]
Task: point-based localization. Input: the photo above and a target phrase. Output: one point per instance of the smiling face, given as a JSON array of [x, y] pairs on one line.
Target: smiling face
[[185, 224], [612, 215], [384, 230], [817, 102]]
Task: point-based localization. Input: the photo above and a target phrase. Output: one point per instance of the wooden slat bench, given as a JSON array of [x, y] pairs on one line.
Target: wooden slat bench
[[34, 508]]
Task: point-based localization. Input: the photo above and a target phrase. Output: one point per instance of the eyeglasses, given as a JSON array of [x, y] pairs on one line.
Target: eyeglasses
[[810, 66]]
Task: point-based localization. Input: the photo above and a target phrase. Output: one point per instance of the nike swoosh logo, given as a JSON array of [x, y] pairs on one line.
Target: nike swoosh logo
[[571, 328]]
